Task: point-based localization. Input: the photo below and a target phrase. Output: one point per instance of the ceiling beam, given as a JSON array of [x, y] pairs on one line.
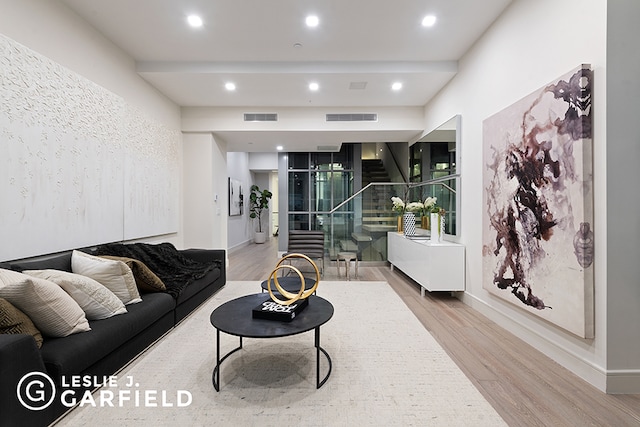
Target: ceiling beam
[[289, 67]]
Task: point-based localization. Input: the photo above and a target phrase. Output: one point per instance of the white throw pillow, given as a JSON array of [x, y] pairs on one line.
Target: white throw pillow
[[115, 275], [50, 308], [94, 299]]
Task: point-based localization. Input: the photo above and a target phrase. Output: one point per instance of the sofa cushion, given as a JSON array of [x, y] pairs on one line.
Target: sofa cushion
[[198, 285], [115, 275], [74, 354], [57, 261], [146, 280], [13, 321], [50, 308], [94, 299]]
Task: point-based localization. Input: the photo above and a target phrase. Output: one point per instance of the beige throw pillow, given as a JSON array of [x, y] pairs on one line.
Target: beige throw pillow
[[50, 308], [146, 280], [94, 299], [114, 275]]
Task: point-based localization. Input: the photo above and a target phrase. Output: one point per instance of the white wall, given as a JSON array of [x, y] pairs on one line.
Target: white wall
[[528, 46], [274, 220], [263, 181], [620, 198], [263, 161], [205, 192], [250, 169], [240, 228], [291, 119], [265, 168]]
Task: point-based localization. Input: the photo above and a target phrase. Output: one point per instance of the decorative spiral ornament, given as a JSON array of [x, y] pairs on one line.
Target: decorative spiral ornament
[[292, 297]]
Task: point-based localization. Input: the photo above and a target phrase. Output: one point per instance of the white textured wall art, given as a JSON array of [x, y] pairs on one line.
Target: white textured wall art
[[66, 161], [152, 169]]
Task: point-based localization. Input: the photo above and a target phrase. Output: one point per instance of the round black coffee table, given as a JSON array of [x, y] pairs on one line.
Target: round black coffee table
[[235, 318]]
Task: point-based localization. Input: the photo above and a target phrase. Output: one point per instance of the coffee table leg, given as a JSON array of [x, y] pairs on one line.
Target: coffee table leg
[[318, 350], [215, 378]]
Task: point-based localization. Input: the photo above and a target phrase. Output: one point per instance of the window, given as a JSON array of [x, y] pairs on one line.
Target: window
[[317, 183]]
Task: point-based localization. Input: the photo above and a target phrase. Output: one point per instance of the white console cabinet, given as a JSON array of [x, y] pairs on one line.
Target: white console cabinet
[[435, 266]]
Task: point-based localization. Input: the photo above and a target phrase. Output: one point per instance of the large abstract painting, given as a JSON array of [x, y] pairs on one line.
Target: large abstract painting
[[538, 244]]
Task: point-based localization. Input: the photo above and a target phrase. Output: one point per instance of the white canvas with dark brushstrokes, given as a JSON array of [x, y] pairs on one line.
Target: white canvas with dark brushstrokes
[[538, 244]]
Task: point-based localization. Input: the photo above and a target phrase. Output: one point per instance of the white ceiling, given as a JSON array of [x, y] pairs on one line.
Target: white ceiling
[[251, 43]]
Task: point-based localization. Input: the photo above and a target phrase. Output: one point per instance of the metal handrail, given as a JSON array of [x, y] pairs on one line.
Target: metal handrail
[[440, 181]]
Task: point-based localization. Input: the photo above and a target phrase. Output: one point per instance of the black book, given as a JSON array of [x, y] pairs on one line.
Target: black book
[[271, 310]]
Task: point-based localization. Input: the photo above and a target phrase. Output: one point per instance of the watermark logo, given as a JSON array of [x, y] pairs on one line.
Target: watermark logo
[[36, 391]]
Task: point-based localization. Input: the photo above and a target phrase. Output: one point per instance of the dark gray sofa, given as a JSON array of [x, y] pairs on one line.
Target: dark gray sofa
[[110, 344]]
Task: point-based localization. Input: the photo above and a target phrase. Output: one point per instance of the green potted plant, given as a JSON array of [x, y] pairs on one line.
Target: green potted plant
[[259, 201]]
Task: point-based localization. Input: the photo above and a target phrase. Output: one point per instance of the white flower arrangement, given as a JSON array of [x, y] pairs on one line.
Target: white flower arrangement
[[398, 205], [430, 205], [424, 208], [415, 207]]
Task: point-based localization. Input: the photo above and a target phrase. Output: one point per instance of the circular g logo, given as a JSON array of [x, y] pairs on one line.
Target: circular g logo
[[36, 391]]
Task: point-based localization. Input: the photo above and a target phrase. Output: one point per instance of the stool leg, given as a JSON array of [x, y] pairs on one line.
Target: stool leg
[[338, 266], [347, 263], [356, 261]]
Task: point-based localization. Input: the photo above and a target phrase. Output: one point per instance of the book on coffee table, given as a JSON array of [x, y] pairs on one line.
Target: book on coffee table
[[271, 310]]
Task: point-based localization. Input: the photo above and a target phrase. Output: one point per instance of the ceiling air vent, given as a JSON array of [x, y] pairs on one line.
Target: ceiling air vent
[[328, 148], [260, 117], [357, 85], [353, 117]]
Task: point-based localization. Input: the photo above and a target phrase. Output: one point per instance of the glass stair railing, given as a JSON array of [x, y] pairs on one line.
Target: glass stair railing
[[360, 223]]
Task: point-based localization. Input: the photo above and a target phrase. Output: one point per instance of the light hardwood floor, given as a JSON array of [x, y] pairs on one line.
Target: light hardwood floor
[[524, 386]]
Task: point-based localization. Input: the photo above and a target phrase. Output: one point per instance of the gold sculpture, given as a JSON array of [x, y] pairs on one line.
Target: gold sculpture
[[292, 297]]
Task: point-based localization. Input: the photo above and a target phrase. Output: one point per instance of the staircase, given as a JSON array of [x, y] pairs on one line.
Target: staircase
[[377, 218], [373, 171]]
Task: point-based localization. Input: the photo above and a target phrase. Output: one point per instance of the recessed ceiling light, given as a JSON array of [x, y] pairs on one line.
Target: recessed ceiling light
[[230, 86], [429, 21], [279, 148], [194, 20], [396, 86], [312, 21], [314, 86]]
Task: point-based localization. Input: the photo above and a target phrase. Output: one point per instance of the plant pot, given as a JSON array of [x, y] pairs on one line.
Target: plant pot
[[425, 222], [260, 237]]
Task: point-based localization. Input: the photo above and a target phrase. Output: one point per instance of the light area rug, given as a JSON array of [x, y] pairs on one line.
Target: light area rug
[[387, 371]]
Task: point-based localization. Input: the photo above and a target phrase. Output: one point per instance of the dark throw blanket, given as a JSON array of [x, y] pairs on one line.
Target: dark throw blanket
[[174, 269]]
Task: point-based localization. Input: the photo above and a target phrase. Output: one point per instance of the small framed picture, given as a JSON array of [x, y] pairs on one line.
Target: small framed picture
[[235, 197]]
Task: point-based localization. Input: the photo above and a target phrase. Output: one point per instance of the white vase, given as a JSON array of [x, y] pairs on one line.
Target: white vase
[[260, 237], [409, 224], [436, 227]]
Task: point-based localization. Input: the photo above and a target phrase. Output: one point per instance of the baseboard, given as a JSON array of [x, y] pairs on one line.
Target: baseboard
[[583, 368], [623, 381], [239, 246]]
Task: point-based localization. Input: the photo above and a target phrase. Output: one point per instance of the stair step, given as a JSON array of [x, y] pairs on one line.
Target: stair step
[[348, 246], [379, 219], [361, 237], [377, 211]]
